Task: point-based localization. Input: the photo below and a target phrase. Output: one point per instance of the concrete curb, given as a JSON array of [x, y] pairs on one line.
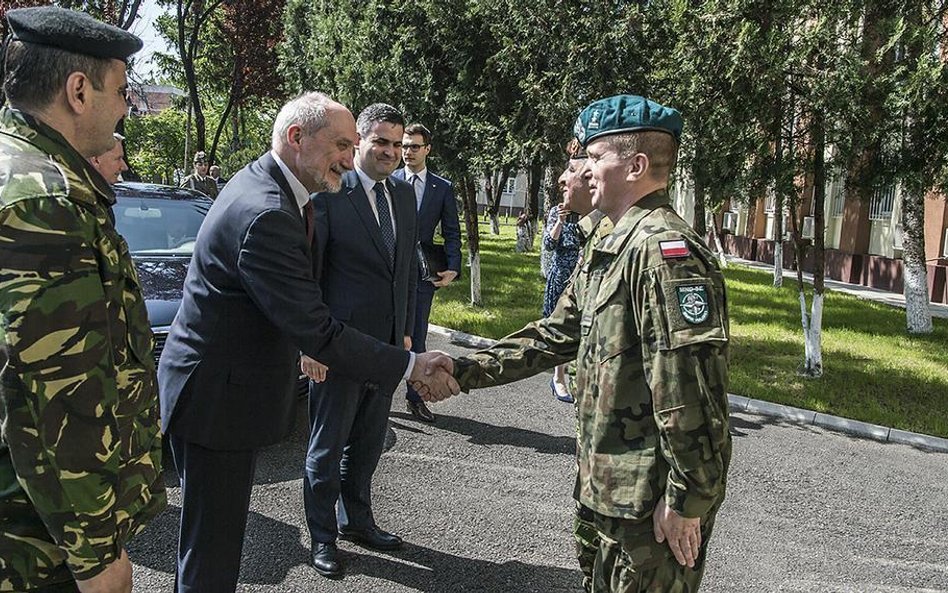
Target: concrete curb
[[789, 414]]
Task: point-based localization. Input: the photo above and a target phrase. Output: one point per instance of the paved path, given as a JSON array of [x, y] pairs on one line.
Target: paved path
[[482, 498]]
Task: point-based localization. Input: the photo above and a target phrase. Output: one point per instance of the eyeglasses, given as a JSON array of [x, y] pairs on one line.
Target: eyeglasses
[[413, 147]]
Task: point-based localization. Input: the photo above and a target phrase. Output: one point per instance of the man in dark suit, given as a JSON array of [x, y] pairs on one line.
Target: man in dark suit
[[434, 200], [366, 250], [250, 306]]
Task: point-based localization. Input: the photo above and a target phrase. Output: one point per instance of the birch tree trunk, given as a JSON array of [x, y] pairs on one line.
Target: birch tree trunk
[[716, 241], [918, 314], [813, 327]]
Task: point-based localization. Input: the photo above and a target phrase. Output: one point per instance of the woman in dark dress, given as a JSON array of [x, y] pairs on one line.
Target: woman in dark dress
[[564, 240]]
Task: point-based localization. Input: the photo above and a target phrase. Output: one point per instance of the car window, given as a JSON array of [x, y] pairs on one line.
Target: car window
[[154, 226]]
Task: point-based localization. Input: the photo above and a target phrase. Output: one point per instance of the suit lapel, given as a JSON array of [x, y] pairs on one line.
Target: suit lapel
[[273, 169], [360, 203]]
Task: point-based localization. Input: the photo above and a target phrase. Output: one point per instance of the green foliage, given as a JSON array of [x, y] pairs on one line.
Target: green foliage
[[154, 144]]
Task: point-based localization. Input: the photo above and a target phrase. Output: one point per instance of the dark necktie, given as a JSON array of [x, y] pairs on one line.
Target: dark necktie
[[385, 222], [414, 186], [309, 220]]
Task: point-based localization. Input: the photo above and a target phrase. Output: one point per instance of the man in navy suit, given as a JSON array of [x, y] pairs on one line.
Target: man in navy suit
[[434, 200], [251, 304], [366, 249]]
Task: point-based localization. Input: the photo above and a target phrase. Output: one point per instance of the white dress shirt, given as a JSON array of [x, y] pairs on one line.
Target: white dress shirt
[[301, 195], [368, 184]]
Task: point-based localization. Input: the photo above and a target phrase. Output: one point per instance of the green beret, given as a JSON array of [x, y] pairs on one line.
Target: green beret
[[72, 31], [625, 113]]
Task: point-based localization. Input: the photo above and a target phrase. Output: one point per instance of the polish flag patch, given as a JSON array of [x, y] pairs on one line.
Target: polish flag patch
[[674, 249]]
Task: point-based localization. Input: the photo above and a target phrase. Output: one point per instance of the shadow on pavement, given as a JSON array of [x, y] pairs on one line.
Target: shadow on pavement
[[271, 548], [480, 433], [423, 569]]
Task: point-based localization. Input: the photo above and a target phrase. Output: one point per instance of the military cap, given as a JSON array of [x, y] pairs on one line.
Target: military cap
[[71, 31], [200, 157], [622, 114]]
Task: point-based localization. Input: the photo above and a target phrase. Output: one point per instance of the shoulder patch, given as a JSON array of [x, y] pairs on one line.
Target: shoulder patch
[[693, 302], [674, 249]]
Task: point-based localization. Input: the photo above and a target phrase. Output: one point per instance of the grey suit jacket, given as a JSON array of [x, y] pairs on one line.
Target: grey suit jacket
[[358, 284]]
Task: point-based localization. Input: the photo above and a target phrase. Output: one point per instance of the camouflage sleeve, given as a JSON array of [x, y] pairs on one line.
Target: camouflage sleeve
[[683, 323], [540, 345], [59, 391]]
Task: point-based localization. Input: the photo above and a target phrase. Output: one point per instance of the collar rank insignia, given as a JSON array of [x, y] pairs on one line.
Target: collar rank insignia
[[674, 249]]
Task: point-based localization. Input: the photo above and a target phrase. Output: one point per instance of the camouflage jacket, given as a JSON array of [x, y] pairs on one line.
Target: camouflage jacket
[[80, 446], [645, 317]]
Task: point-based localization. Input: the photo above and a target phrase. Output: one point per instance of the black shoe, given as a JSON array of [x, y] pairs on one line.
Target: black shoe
[[420, 411], [373, 538], [326, 560]]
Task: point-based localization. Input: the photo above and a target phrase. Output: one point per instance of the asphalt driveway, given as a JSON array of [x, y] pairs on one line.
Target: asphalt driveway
[[482, 498]]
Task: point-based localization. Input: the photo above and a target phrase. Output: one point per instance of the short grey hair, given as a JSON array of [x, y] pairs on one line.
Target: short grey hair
[[307, 111]]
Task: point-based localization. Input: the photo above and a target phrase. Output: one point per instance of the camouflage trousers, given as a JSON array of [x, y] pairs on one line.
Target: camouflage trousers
[[622, 556]]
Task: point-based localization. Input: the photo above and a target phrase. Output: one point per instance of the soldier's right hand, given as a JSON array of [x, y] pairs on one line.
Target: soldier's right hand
[[116, 578]]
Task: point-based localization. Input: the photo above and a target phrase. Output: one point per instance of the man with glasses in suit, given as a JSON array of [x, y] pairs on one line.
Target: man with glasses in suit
[[434, 200]]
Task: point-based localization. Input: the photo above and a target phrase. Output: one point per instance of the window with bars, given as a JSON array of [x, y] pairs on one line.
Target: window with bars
[[511, 185], [770, 203], [836, 195], [883, 200]]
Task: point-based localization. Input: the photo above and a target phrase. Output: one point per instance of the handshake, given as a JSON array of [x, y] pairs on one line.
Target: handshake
[[432, 376]]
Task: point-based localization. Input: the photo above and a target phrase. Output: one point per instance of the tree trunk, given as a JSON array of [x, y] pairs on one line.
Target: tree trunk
[[469, 207], [716, 241], [496, 183], [778, 240], [701, 217], [534, 181], [918, 314], [813, 330]]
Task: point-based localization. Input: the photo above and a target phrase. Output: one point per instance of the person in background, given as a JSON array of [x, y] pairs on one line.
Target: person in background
[[80, 450], [111, 164], [564, 239], [199, 179], [434, 199], [215, 173]]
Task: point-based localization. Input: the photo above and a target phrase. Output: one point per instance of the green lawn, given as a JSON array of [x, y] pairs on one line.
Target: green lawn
[[873, 371]]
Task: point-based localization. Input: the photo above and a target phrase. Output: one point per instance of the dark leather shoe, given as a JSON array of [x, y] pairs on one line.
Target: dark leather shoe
[[420, 411], [373, 538], [326, 560]]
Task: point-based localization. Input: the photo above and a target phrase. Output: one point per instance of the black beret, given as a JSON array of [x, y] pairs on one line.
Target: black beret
[[71, 31]]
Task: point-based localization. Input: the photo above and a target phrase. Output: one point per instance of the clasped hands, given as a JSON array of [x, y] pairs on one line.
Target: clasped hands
[[432, 376]]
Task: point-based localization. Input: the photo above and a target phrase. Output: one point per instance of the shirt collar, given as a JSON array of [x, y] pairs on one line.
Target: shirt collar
[[300, 193], [368, 184], [630, 220], [422, 175]]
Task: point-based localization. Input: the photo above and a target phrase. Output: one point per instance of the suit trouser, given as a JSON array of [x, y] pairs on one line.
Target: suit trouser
[[348, 421], [420, 333], [215, 499]]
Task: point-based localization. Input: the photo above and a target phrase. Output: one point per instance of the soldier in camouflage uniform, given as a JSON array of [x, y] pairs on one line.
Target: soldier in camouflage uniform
[[80, 445], [646, 318]]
